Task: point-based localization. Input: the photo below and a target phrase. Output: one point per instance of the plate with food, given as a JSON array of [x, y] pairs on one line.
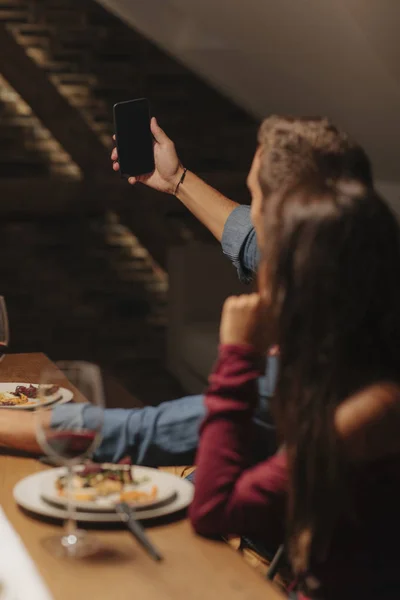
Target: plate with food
[[100, 487], [25, 396], [28, 494]]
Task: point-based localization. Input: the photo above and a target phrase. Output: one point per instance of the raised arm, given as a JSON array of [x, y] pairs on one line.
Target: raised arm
[[207, 204], [231, 497]]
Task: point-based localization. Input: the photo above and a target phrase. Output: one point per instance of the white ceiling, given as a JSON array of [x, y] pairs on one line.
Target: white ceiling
[[339, 58]]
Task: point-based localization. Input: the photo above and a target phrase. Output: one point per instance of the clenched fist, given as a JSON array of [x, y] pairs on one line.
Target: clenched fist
[[245, 320]]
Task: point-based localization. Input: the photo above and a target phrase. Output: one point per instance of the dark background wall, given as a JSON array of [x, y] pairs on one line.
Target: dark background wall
[[76, 243]]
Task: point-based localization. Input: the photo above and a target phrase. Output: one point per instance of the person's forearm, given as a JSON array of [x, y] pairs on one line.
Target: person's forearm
[[17, 431], [153, 436], [207, 204]]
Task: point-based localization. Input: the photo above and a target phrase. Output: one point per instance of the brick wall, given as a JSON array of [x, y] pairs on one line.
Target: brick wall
[[83, 288]]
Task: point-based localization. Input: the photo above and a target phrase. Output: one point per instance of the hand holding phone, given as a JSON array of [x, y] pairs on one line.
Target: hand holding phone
[[167, 170]]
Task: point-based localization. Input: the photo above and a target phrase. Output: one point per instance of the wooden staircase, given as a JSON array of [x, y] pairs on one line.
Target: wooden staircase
[[95, 60], [92, 60], [81, 249]]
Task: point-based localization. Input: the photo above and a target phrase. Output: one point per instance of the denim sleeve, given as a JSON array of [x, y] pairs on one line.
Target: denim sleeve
[[163, 435], [239, 243]]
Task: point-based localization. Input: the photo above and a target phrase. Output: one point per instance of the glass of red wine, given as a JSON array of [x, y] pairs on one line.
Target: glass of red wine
[[4, 328], [73, 443]]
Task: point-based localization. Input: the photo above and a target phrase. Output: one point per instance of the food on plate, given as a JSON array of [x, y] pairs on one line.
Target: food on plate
[[113, 483], [25, 394], [30, 392], [139, 496], [50, 390], [13, 399]]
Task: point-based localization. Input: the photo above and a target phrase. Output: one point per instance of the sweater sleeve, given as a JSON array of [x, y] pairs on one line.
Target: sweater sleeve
[[230, 496]]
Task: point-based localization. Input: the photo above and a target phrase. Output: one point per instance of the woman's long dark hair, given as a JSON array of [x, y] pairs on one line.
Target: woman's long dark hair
[[332, 257]]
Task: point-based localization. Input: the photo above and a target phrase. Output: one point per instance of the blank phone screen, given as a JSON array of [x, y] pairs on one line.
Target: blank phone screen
[[134, 138]]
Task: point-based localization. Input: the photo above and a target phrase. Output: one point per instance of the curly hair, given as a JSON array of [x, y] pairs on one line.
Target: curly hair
[[294, 149]]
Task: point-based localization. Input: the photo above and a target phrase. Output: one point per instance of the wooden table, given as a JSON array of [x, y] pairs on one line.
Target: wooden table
[[194, 568]]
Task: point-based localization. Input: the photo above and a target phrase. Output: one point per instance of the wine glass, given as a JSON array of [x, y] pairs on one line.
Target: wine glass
[[69, 445], [4, 328]]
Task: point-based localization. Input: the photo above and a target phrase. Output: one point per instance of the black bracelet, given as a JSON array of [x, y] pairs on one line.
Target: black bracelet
[[182, 179]]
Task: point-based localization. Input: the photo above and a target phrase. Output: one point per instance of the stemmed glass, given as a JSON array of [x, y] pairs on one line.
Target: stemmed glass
[[68, 446], [4, 328]]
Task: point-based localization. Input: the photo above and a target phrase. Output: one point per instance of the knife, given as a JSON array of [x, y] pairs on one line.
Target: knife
[[127, 515]]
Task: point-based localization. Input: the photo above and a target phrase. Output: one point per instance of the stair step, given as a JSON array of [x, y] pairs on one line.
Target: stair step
[[9, 109], [85, 79], [49, 146], [13, 16], [31, 37], [74, 91], [64, 170], [57, 68], [31, 29], [38, 54], [20, 127], [93, 106]]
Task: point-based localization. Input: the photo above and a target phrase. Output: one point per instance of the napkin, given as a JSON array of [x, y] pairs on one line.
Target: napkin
[[19, 578]]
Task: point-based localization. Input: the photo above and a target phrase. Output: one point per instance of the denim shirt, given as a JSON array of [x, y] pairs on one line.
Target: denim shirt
[[239, 243], [168, 434]]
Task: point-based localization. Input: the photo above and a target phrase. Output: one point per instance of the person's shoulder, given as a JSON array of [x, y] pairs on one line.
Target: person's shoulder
[[368, 422]]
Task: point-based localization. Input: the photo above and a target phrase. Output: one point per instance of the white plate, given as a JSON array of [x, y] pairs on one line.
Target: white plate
[[27, 493], [165, 492], [61, 397]]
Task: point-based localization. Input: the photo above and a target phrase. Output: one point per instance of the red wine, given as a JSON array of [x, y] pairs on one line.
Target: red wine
[[71, 444]]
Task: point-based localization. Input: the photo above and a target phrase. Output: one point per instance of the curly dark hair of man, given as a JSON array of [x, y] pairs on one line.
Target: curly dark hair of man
[[296, 148]]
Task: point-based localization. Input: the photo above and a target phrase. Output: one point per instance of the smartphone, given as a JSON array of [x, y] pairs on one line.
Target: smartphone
[[133, 137]]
